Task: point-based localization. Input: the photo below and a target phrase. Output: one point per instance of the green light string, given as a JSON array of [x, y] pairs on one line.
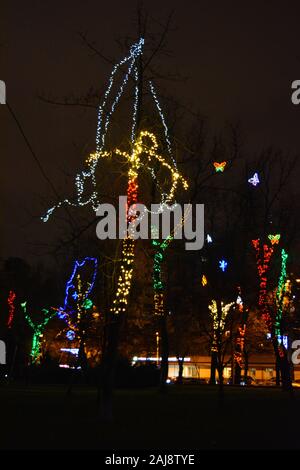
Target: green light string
[[280, 293], [158, 259], [38, 329]]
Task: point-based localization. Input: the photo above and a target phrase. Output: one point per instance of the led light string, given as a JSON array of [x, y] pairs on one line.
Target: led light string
[[38, 329], [77, 323], [241, 332], [70, 285], [263, 265], [134, 159], [158, 259], [102, 129], [135, 51], [280, 294], [166, 130], [74, 290], [11, 308], [125, 276], [127, 257], [158, 285], [150, 152], [135, 105], [219, 319]]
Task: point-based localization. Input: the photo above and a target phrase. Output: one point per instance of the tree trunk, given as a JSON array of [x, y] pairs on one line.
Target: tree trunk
[[237, 374], [283, 365], [213, 367], [164, 365], [286, 373], [220, 373], [246, 362], [109, 367], [221, 385], [180, 371], [277, 370]]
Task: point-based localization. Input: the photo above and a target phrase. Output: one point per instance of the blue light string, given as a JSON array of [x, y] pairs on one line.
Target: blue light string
[[62, 310]]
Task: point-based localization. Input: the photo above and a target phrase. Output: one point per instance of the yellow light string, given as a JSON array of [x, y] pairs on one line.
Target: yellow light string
[[218, 320], [140, 148]]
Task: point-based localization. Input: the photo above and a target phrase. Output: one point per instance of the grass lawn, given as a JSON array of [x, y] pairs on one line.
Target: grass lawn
[[187, 417]]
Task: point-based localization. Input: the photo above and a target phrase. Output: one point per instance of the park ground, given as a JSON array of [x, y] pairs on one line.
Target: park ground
[[186, 417]]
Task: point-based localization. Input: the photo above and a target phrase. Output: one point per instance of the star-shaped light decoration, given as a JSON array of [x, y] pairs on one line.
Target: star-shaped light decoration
[[223, 265]]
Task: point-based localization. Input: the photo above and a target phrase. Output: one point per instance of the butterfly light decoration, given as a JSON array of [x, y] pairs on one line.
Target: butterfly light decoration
[[219, 167], [254, 180], [274, 238]]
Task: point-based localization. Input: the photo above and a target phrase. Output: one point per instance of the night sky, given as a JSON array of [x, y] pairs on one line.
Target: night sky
[[239, 58]]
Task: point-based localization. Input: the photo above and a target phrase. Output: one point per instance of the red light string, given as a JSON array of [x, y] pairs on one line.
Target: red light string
[[11, 308]]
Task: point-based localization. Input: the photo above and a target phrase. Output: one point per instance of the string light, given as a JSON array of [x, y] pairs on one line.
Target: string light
[[241, 331], [74, 290], [150, 152], [158, 259], [140, 148], [136, 51], [208, 238], [125, 276], [70, 285], [274, 238], [280, 293], [88, 174], [11, 308], [263, 267], [220, 167], [219, 319], [158, 285], [204, 280], [38, 329], [73, 351], [254, 180], [157, 347], [223, 265], [159, 303], [167, 138]]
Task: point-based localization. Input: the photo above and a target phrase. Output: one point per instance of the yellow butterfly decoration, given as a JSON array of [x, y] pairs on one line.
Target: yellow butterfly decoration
[[219, 167], [274, 238]]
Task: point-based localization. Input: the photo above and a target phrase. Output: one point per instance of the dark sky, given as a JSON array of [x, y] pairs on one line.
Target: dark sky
[[240, 59]]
